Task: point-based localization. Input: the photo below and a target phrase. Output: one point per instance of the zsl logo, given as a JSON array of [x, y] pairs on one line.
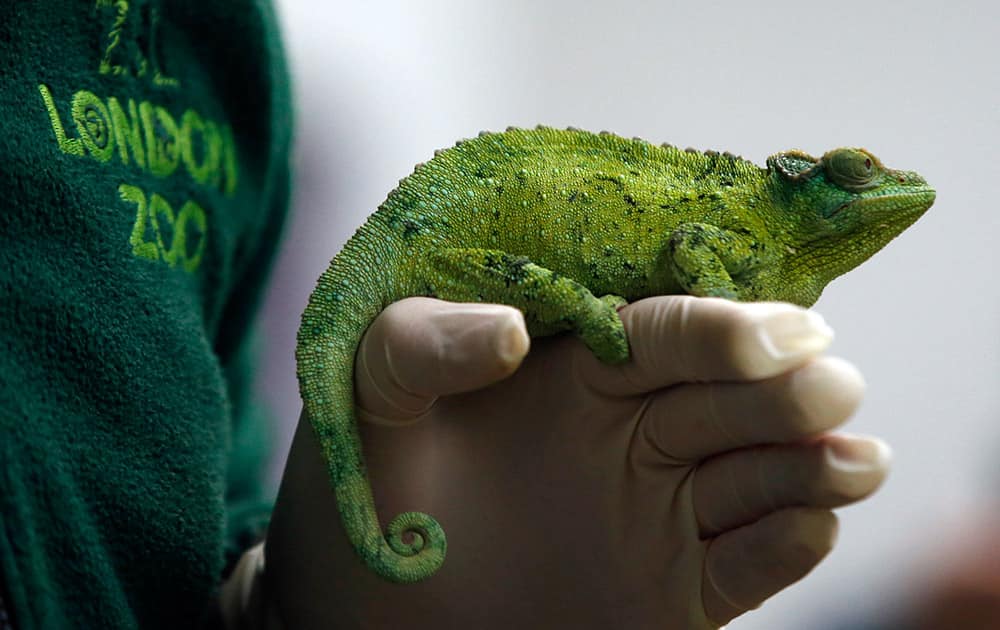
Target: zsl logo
[[169, 230], [149, 138]]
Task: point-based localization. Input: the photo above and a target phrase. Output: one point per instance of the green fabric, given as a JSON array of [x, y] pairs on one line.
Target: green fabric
[[145, 179]]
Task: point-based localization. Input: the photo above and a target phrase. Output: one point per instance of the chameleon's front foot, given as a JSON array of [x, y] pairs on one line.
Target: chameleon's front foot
[[701, 256]]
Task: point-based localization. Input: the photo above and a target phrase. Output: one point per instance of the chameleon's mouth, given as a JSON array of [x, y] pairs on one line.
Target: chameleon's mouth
[[891, 203]]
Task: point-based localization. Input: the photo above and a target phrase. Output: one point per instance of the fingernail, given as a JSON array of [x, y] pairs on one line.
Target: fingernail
[[829, 390], [510, 340], [789, 333], [858, 454], [483, 328]]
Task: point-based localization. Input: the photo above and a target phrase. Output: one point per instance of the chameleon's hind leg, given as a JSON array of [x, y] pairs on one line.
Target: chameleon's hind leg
[[550, 302]]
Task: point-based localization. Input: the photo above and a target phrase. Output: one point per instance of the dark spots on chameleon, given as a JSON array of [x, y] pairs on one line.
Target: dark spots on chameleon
[[695, 239], [411, 228], [619, 184], [513, 269], [745, 280], [518, 268], [390, 212], [406, 202], [494, 261], [629, 199], [496, 213], [594, 271], [574, 195], [628, 266], [499, 191]]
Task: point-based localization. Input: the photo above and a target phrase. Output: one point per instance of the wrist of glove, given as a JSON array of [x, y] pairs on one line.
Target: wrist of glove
[[243, 597]]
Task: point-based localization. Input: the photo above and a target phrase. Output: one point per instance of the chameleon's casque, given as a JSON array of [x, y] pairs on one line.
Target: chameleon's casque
[[567, 226]]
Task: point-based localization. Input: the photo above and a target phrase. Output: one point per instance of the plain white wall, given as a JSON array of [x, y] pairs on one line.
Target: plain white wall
[[380, 85]]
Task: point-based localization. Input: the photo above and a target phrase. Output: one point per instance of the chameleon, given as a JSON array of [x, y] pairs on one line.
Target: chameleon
[[569, 226]]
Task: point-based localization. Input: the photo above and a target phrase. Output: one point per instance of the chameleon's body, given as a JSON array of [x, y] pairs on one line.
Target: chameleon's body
[[567, 226]]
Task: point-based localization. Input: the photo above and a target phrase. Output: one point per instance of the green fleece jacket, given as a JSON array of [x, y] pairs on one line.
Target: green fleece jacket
[[144, 178]]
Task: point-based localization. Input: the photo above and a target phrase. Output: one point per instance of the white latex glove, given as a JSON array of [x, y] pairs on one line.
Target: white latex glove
[[675, 491]]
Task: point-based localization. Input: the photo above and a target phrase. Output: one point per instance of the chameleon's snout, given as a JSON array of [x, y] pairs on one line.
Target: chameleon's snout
[[911, 186], [909, 178]]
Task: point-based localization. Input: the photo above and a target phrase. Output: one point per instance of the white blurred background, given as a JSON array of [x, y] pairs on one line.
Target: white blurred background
[[380, 85]]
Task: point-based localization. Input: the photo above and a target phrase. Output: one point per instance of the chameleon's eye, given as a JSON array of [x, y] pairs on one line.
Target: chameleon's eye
[[852, 169]]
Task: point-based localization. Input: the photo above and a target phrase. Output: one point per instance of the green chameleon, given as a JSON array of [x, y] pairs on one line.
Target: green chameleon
[[568, 226]]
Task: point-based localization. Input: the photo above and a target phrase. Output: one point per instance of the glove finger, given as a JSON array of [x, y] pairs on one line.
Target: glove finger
[[689, 422], [745, 566], [680, 338], [420, 348], [740, 487]]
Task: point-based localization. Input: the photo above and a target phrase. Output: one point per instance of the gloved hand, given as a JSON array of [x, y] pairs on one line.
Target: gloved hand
[[675, 491]]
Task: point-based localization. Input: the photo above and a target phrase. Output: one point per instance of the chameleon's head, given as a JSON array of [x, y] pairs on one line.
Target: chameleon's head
[[839, 210]]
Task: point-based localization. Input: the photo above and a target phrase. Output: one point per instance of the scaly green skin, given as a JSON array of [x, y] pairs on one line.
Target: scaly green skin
[[548, 220]]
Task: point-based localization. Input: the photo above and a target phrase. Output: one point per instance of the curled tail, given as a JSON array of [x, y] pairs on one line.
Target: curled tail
[[358, 284]]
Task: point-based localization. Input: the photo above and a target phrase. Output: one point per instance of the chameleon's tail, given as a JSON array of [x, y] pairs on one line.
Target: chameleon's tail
[[358, 284]]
